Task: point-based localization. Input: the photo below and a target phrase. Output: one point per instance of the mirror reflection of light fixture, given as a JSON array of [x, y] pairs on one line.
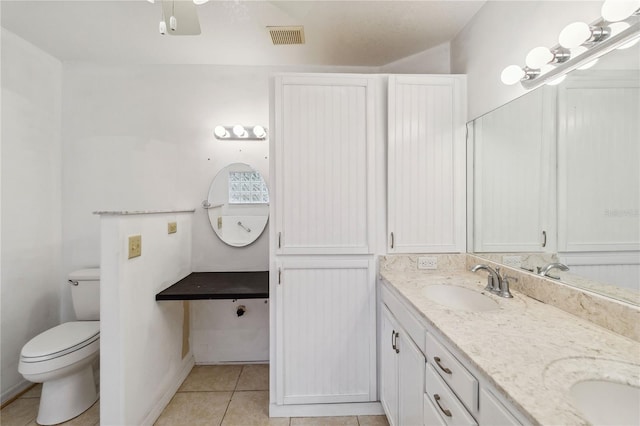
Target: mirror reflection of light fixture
[[580, 45], [239, 132], [617, 10]]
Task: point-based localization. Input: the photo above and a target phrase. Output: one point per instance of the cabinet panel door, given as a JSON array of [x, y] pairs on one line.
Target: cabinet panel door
[[326, 331], [411, 364], [426, 181], [389, 367], [324, 165]]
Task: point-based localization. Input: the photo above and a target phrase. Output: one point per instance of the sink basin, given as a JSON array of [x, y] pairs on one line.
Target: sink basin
[[607, 403], [459, 298]]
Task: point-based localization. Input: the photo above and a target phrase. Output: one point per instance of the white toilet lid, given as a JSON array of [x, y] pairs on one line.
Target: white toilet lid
[[60, 340]]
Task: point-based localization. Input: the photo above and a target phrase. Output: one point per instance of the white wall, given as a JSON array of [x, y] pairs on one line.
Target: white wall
[[141, 340], [432, 61], [31, 204], [501, 34]]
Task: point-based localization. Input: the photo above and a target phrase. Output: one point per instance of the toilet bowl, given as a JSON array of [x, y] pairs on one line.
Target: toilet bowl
[[63, 357]]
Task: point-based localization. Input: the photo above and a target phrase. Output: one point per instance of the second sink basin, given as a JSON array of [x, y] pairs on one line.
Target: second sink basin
[[461, 298], [607, 403]]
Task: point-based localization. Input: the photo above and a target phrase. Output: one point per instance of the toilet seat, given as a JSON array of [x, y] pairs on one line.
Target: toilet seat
[[60, 347]]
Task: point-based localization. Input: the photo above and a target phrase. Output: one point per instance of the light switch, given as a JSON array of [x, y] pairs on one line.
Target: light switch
[[135, 246], [172, 227]]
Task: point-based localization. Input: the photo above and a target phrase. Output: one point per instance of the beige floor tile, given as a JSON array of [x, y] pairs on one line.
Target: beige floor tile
[[254, 377], [91, 417], [20, 412], [207, 378], [324, 421], [195, 408], [373, 421], [251, 408], [34, 392]]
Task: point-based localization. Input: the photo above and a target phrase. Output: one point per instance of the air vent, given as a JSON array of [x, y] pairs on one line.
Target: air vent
[[287, 35]]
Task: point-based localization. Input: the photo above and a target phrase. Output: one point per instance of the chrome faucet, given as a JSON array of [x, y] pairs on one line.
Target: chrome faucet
[[544, 271], [494, 281]]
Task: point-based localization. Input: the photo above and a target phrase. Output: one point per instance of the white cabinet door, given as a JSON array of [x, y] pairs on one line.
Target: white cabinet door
[[325, 331], [389, 366], [324, 159], [426, 164], [411, 366]]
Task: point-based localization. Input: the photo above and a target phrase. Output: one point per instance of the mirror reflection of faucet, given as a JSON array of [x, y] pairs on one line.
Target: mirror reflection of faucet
[[546, 269]]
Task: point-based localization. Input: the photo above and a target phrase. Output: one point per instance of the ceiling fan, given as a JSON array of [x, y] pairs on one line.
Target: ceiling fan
[[179, 17]]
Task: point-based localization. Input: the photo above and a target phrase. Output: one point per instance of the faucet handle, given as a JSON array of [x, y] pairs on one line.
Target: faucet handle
[[504, 289]]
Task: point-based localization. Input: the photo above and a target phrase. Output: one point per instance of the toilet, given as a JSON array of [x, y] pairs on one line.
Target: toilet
[[62, 357]]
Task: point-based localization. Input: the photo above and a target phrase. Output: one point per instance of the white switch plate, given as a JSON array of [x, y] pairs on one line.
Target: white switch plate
[[427, 262]]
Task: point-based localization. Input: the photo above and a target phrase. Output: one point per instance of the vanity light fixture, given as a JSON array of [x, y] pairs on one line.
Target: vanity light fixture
[[579, 46], [239, 132]]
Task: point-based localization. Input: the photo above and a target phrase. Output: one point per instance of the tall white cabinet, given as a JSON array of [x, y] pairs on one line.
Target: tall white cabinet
[[426, 164], [328, 215], [323, 269]]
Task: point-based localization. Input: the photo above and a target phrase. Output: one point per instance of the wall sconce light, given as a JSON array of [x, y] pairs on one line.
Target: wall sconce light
[[579, 46], [239, 132]]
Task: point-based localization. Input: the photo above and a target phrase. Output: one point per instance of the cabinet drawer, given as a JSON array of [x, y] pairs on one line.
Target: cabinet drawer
[[453, 372], [445, 402], [413, 327], [492, 412]]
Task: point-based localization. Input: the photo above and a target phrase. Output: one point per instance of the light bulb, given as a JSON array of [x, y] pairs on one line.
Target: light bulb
[[199, 2], [162, 27], [575, 34], [538, 57], [617, 27], [239, 131], [221, 132], [617, 10], [259, 132], [173, 23], [512, 74]]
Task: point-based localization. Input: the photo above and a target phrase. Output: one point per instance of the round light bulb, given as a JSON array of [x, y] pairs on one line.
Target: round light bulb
[[199, 2], [259, 132], [538, 57], [221, 132], [173, 23], [511, 75], [239, 131], [617, 10], [575, 34], [617, 27], [162, 27]]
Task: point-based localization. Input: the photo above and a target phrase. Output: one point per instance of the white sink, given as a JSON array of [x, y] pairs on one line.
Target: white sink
[[607, 403], [461, 298]]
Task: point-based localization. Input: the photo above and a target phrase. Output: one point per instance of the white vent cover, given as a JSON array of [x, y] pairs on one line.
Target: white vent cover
[[287, 35]]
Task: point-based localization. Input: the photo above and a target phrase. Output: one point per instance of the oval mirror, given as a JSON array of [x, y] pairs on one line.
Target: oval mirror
[[238, 204]]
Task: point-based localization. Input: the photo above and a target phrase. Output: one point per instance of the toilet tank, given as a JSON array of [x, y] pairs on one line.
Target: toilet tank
[[85, 293]]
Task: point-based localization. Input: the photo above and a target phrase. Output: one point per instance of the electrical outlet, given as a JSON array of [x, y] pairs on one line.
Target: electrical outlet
[[135, 246], [172, 227], [427, 262], [513, 261]]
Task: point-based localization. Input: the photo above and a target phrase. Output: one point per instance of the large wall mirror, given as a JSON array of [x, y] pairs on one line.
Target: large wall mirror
[[238, 204], [556, 178]]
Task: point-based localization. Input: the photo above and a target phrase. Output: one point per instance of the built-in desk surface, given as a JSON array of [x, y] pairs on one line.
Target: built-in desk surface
[[219, 285]]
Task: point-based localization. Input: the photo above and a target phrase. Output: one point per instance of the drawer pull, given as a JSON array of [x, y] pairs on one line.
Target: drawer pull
[[395, 342], [445, 411], [393, 336], [443, 368]]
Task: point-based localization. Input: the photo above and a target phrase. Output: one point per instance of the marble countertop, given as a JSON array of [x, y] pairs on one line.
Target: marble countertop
[[530, 351]]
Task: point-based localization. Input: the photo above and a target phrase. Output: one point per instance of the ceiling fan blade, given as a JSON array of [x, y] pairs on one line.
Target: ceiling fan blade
[[185, 14]]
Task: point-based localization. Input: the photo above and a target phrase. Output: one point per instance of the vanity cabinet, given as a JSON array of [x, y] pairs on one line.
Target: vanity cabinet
[[426, 164], [425, 382], [402, 373]]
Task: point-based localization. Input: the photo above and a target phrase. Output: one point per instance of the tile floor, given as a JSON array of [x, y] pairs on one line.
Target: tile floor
[[227, 395]]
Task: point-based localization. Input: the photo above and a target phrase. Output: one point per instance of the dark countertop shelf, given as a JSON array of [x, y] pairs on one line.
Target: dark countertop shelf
[[219, 285]]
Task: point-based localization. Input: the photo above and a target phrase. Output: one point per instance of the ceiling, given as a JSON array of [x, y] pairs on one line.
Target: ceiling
[[353, 33]]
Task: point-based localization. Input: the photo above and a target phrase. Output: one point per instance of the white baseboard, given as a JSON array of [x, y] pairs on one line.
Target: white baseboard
[[187, 364], [15, 390], [326, 410]]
